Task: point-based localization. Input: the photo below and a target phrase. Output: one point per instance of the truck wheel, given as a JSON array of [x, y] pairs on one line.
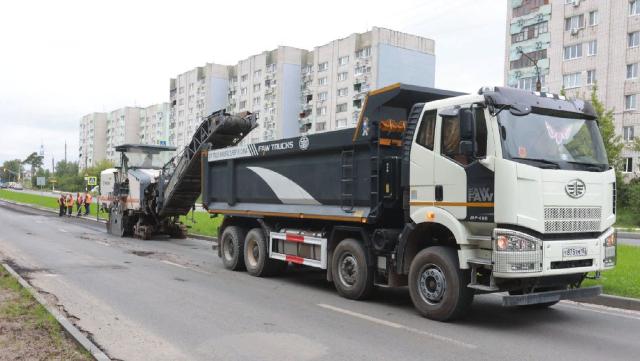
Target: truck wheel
[[352, 277], [256, 255], [232, 245], [438, 286]]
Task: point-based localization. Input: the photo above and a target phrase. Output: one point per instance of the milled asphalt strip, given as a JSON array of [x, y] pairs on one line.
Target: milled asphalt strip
[[398, 326], [63, 321]]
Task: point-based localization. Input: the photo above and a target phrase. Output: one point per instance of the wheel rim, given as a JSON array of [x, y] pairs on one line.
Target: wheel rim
[[432, 284], [229, 250], [253, 253], [348, 269]]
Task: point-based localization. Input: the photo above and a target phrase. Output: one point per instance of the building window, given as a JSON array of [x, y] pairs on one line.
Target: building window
[[320, 126], [256, 101], [591, 77], [634, 39], [364, 52], [256, 87], [257, 74], [628, 165], [243, 104], [362, 69], [630, 102], [341, 123], [321, 111], [530, 32], [307, 69], [573, 52], [627, 133], [634, 7], [343, 60], [529, 83], [244, 77], [571, 80], [342, 76], [574, 22], [323, 66], [524, 62], [593, 18], [322, 96], [593, 48], [243, 91], [632, 71], [343, 92], [322, 81], [341, 108], [527, 7]]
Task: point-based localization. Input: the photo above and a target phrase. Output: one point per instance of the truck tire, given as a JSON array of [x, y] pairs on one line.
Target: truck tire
[[256, 255], [232, 248], [352, 277], [438, 286]]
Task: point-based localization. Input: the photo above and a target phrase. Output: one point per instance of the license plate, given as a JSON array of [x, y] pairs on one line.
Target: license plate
[[574, 251]]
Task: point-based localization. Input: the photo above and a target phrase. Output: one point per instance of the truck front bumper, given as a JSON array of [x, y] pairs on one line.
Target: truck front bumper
[[551, 296]]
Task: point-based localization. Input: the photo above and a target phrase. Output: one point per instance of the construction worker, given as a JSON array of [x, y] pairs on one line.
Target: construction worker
[[87, 203], [79, 204], [61, 205], [69, 203]]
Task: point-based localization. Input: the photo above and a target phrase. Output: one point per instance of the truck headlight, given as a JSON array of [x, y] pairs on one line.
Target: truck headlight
[[610, 249], [515, 251]]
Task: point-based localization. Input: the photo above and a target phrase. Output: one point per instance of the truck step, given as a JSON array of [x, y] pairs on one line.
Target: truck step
[[483, 288]]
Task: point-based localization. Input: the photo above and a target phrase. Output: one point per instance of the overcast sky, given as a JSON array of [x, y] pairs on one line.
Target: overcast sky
[[62, 59]]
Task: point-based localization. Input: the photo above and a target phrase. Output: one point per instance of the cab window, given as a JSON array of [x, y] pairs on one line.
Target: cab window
[[450, 138], [427, 131]]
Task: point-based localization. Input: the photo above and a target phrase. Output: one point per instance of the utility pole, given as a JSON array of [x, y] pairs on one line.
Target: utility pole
[[65, 150], [535, 64]]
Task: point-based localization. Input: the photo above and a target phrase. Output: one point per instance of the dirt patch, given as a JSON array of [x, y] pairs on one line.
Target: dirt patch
[[143, 253], [28, 331]]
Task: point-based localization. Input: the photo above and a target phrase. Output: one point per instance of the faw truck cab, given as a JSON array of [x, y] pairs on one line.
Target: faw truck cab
[[503, 191]]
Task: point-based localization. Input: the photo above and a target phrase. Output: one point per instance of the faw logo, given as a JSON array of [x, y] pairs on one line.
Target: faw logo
[[575, 188], [479, 194]]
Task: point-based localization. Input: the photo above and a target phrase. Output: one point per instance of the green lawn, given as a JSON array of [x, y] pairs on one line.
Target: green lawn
[[624, 279], [627, 218], [200, 225]]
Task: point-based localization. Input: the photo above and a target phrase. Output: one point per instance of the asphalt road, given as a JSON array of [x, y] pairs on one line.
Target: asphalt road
[[172, 300]]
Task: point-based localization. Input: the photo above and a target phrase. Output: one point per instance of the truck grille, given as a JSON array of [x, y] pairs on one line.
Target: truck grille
[[572, 219]]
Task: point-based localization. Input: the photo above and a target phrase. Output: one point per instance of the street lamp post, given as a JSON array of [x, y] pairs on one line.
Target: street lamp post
[[535, 64]]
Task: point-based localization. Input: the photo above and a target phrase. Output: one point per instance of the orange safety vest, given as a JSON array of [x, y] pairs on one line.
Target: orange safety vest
[[87, 199], [69, 201]]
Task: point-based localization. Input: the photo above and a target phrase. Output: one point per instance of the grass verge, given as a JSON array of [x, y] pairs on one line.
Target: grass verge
[[624, 279], [199, 223], [29, 332], [627, 218]]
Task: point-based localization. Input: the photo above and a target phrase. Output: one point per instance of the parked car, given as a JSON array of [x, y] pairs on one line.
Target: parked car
[[3, 185], [17, 187]]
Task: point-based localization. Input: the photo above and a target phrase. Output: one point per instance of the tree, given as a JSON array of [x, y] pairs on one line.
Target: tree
[[11, 170], [34, 160], [612, 143]]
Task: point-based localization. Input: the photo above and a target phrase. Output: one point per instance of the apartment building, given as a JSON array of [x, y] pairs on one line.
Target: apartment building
[[579, 44], [336, 76], [295, 90], [268, 84], [154, 124], [194, 95], [92, 142], [123, 127]]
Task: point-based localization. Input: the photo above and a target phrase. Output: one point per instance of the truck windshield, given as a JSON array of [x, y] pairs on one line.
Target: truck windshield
[[138, 158], [548, 141]]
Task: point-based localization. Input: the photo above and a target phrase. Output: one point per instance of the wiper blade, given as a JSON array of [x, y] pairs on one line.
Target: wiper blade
[[543, 161], [591, 165]]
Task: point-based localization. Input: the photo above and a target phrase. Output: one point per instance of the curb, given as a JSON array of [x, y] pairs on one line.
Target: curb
[[614, 301], [78, 336], [196, 236]]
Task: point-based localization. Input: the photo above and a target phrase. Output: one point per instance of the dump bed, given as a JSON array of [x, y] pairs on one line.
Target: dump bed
[[351, 175]]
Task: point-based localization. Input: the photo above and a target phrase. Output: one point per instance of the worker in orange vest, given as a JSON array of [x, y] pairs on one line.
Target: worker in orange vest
[[79, 204], [69, 203], [87, 203], [61, 205]]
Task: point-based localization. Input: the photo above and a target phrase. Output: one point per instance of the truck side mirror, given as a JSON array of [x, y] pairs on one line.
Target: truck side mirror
[[467, 124], [466, 148]]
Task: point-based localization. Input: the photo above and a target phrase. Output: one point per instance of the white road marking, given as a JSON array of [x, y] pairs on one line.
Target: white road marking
[[397, 326], [174, 264], [618, 312], [62, 230], [103, 243]]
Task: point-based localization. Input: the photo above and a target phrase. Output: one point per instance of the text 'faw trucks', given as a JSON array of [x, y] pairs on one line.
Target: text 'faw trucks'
[[451, 194]]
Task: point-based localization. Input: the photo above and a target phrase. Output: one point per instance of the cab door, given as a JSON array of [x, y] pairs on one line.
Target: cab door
[[450, 179], [422, 191]]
